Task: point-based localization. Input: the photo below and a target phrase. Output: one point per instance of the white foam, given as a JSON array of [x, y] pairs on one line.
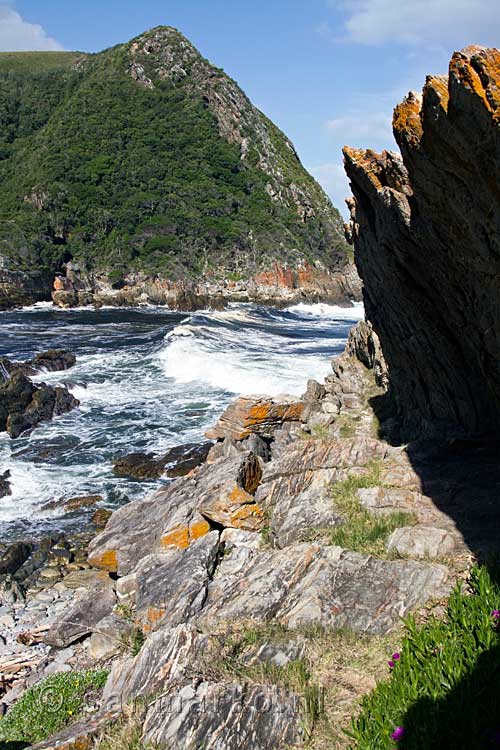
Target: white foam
[[190, 360], [334, 312]]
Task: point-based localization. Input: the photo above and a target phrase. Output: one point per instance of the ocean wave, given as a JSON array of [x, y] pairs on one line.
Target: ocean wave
[[189, 360], [334, 312]]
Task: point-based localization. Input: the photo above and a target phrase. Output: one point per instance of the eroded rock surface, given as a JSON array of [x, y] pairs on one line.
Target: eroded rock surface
[[426, 227]]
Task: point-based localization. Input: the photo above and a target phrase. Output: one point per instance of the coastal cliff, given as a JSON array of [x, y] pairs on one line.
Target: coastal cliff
[[252, 602], [426, 228], [192, 190]]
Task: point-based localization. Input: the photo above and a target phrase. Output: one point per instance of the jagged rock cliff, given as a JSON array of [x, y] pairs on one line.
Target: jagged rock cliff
[[150, 169], [426, 231]]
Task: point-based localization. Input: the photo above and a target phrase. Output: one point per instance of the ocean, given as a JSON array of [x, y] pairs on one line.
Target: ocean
[[148, 379]]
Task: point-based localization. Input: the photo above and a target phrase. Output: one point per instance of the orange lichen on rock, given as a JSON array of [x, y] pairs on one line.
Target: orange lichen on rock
[[198, 529], [151, 618], [183, 536], [176, 538], [368, 162], [107, 560], [248, 517], [406, 121], [462, 70], [238, 496], [255, 415], [486, 62]]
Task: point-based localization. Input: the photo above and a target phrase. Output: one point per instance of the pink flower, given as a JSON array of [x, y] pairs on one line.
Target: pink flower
[[391, 664], [396, 656], [398, 734]]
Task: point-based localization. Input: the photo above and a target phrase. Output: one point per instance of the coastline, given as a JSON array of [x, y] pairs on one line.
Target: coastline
[[261, 508], [280, 286]]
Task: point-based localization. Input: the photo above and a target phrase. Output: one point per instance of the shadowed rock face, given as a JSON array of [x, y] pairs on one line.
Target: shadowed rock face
[[426, 231]]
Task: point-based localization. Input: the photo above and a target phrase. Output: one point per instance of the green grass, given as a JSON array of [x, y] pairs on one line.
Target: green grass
[[362, 531], [444, 690], [133, 642], [50, 705], [28, 62]]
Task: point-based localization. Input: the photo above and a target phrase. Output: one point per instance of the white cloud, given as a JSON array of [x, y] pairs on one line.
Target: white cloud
[[333, 180], [17, 35], [421, 21], [325, 30], [374, 127]]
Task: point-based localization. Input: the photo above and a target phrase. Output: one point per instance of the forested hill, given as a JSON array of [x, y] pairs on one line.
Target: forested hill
[[145, 157]]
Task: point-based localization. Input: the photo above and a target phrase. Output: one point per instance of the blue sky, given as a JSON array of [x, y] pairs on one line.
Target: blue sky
[[328, 72]]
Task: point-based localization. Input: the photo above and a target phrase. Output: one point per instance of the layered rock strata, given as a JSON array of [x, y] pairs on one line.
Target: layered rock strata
[[425, 227]]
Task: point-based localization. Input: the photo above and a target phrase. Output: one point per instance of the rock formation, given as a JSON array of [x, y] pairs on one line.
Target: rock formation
[[426, 228], [24, 404]]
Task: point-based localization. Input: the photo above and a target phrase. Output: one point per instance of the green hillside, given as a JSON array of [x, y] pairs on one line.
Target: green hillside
[[147, 158]]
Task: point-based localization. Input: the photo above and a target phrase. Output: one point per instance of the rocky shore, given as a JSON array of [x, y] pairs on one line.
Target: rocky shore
[[280, 286], [251, 603], [301, 524]]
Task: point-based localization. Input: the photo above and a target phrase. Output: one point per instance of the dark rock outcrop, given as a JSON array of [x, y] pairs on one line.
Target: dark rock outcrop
[[23, 404], [426, 229], [177, 462], [14, 556], [53, 360], [5, 484]]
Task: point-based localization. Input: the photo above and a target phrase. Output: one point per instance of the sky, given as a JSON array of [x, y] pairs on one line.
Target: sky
[[327, 72]]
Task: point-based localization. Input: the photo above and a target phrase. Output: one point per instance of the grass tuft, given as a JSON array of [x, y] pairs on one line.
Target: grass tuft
[[361, 530], [50, 705]]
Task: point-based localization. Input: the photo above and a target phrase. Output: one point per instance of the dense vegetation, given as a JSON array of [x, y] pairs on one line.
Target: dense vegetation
[[97, 167], [443, 688], [48, 706]]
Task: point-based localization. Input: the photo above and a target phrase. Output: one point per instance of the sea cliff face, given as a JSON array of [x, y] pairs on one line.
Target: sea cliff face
[[279, 285], [426, 231]]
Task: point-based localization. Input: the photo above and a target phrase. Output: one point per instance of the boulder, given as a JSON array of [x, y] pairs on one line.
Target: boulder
[[53, 360], [215, 494], [257, 414], [138, 466], [14, 557], [315, 391], [226, 492], [73, 503], [191, 713], [23, 405], [83, 615], [135, 529], [172, 588], [101, 517], [230, 716], [309, 583], [177, 462], [421, 542], [183, 458], [108, 638]]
